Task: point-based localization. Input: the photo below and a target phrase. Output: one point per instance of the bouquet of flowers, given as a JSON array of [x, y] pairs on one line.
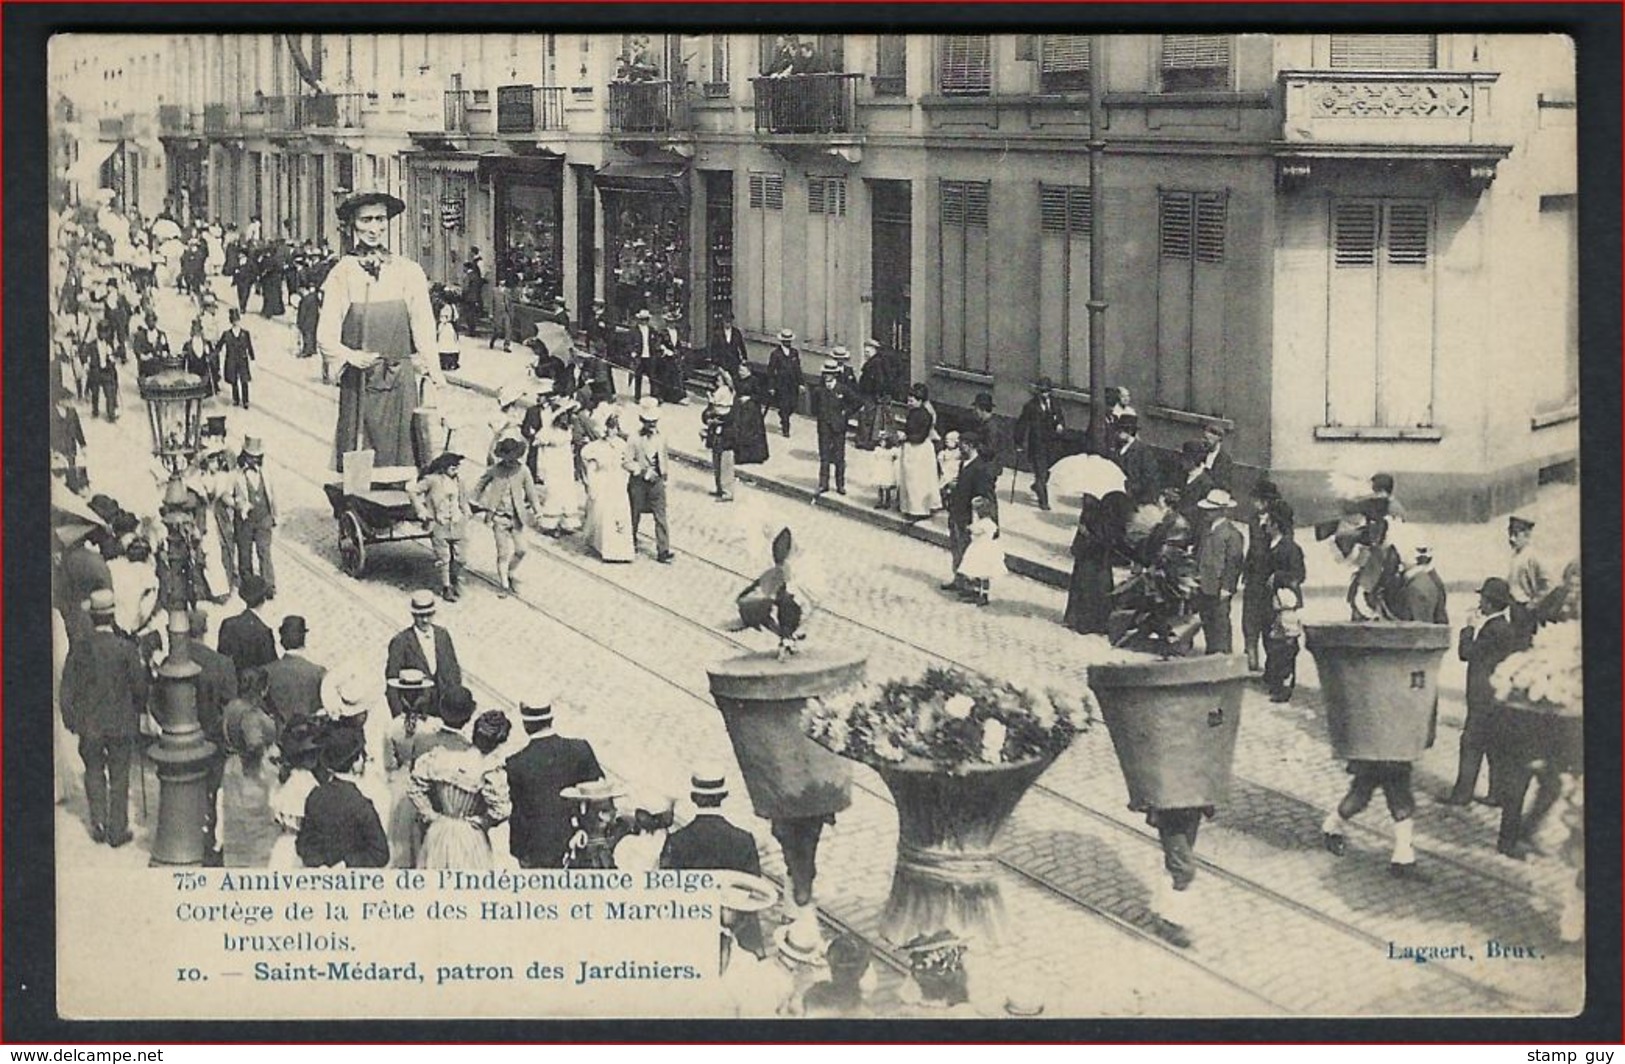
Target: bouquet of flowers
[[1548, 673], [948, 717]]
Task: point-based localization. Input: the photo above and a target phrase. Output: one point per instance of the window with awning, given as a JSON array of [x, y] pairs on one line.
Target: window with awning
[[1063, 62], [1195, 62], [1384, 51]]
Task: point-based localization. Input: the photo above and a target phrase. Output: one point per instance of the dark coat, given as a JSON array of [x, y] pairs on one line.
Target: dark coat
[[1223, 471], [1421, 599], [295, 687], [979, 476], [247, 641], [784, 376], [1038, 429], [1496, 640], [405, 653], [832, 408], [238, 350], [1285, 562], [539, 828], [728, 351], [918, 424], [104, 687], [710, 842], [1141, 475], [216, 685], [1219, 557], [341, 825]]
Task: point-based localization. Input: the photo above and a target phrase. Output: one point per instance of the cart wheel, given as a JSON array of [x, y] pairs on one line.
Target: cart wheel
[[352, 545]]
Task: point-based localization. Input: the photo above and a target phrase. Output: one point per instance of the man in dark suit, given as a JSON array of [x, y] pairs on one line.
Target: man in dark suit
[[644, 348], [784, 377], [1141, 476], [104, 688], [833, 404], [340, 825], [1038, 434], [238, 350], [83, 570], [294, 682], [424, 646], [710, 842], [216, 685], [539, 829], [1220, 466], [246, 639], [1220, 554], [728, 348], [1489, 638], [1257, 597], [978, 477], [1198, 482]]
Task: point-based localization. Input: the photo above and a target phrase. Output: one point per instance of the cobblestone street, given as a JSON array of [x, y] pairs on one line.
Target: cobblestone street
[[1283, 926]]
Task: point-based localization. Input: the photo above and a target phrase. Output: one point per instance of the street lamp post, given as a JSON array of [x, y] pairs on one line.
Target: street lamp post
[[1098, 442], [174, 401]]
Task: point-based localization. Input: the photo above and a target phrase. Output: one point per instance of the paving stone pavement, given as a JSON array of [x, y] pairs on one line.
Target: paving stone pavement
[[1268, 834]]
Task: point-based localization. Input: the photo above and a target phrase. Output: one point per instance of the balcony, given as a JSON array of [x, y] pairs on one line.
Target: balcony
[[281, 114], [467, 111], [1397, 109], [647, 107], [173, 120], [329, 110], [530, 109], [806, 103], [216, 118], [110, 129]]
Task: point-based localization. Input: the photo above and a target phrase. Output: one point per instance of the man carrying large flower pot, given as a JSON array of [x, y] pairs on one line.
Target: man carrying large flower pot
[[1173, 717], [1380, 682]]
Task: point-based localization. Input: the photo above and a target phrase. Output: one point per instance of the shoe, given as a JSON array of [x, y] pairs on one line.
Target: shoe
[[1449, 798], [1515, 852], [1406, 871], [214, 857], [98, 833], [1043, 506], [1280, 698], [952, 585], [448, 594], [1487, 800], [666, 558], [1173, 934], [1252, 662], [821, 491], [1336, 845], [503, 591], [840, 491], [120, 839], [513, 583]]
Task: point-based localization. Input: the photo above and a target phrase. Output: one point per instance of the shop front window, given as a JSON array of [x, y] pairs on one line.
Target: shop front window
[[531, 241], [648, 246]]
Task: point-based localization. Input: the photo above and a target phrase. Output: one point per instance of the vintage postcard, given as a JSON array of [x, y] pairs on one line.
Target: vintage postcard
[[567, 525]]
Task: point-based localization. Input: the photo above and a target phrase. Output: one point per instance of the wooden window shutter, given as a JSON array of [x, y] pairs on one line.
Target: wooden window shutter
[[953, 203], [815, 195], [1384, 51], [1409, 226], [976, 196], [1210, 216], [966, 66], [1195, 51], [1065, 53], [1354, 234], [1064, 209], [1174, 218]]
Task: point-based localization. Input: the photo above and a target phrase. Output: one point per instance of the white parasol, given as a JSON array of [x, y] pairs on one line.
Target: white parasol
[[1087, 475]]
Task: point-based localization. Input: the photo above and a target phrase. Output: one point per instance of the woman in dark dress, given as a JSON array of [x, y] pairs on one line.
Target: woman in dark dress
[[1089, 596], [270, 274], [750, 413]]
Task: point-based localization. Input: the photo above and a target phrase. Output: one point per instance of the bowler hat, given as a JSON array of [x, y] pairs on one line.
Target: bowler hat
[[1043, 384], [1498, 591], [423, 601], [353, 203], [1519, 524], [292, 627]]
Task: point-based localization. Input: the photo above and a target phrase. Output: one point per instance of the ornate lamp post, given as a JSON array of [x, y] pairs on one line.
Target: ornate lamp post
[[174, 401]]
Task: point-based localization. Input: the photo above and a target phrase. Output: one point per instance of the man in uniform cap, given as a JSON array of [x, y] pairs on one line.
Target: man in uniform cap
[[1038, 434], [1528, 578], [833, 404], [104, 689], [1491, 635], [424, 646], [293, 682], [539, 828]]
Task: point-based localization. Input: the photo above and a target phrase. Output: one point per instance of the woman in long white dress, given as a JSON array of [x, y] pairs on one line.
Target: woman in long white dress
[[918, 493], [556, 469], [609, 511]]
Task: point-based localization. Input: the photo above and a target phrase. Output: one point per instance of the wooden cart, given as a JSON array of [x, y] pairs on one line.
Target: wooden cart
[[366, 519]]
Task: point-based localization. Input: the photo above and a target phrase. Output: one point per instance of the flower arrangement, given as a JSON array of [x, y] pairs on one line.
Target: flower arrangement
[[948, 717], [1548, 673], [1151, 608]]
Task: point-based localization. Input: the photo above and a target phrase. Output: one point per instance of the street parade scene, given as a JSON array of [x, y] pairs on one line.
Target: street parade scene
[[1015, 688]]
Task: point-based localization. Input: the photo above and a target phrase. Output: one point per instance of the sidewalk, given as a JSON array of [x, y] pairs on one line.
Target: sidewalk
[[1037, 542]]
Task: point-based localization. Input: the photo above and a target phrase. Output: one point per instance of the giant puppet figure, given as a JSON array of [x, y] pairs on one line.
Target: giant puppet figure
[[377, 325]]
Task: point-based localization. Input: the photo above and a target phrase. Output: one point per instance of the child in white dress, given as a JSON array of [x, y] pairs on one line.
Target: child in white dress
[[984, 558], [884, 471]]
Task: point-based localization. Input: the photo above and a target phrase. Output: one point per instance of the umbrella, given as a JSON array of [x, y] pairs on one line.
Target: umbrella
[[164, 229], [71, 533], [1086, 474], [66, 508], [555, 336]]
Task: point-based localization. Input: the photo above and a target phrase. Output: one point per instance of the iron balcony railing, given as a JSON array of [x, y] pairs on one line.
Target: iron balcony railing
[[111, 128], [331, 110], [173, 118], [647, 107], [806, 103], [216, 118], [530, 108]]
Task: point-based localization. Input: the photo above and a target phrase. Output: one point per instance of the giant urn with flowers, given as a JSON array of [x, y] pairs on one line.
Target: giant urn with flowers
[[957, 751]]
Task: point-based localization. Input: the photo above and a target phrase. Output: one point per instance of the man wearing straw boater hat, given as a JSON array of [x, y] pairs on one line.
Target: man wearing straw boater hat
[[647, 462], [784, 377], [424, 646], [711, 842], [539, 828], [1220, 556], [833, 404], [377, 324]]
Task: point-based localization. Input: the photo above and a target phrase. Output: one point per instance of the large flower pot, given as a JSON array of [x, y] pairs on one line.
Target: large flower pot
[[761, 698], [1381, 685], [1173, 723], [947, 872], [1540, 731]]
